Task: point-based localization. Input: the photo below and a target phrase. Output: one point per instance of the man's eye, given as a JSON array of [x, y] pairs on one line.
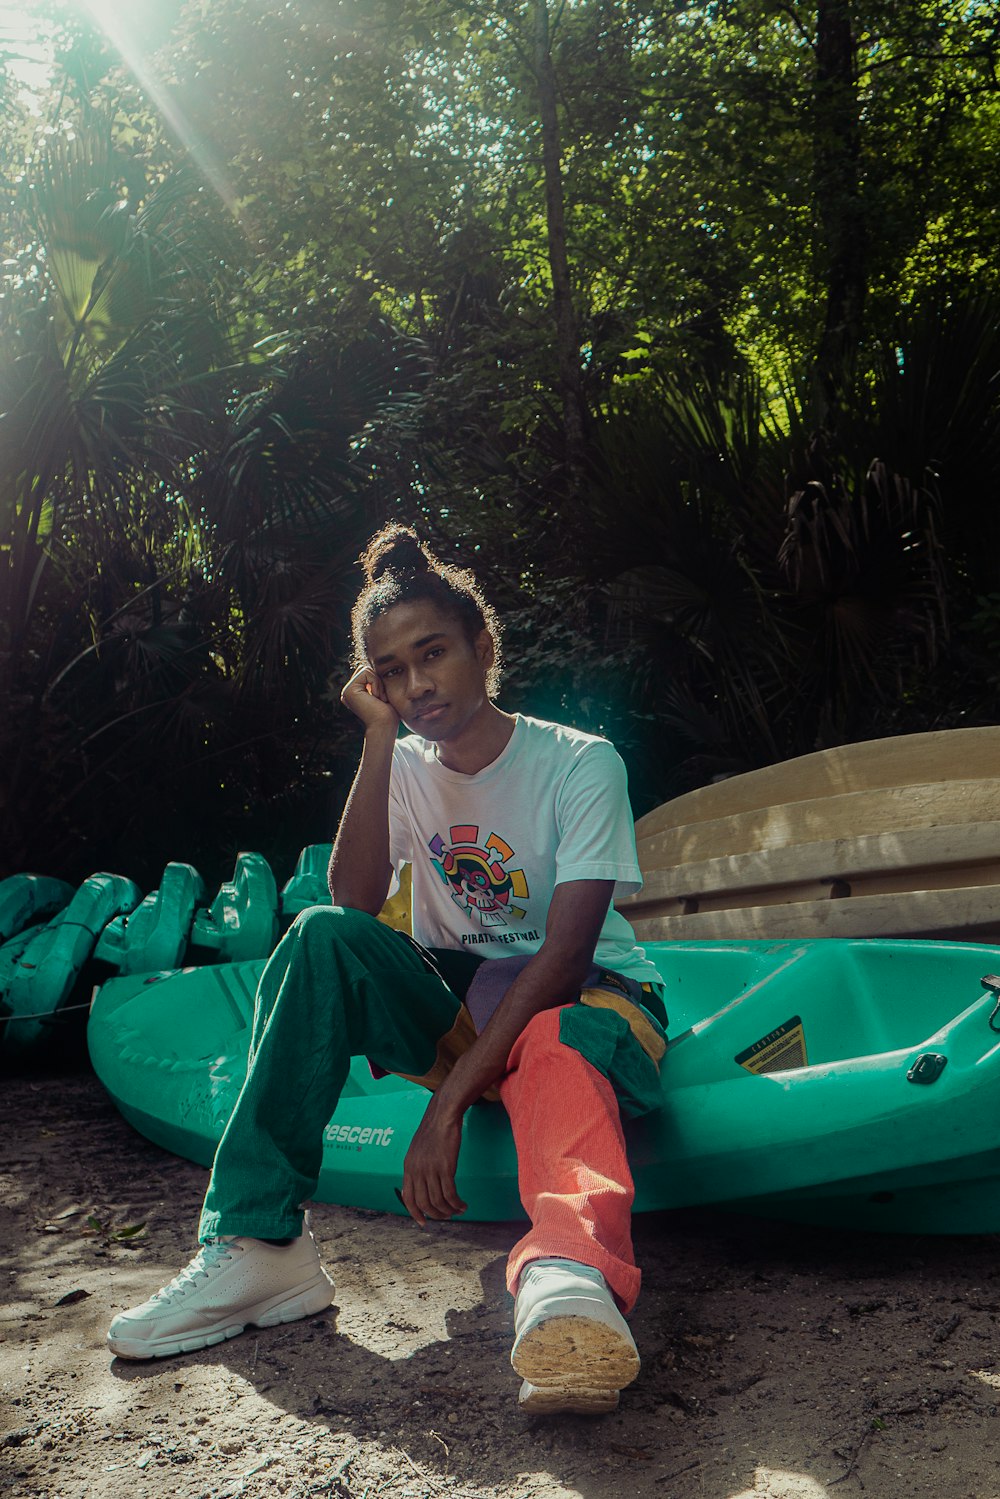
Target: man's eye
[[392, 672], [435, 650]]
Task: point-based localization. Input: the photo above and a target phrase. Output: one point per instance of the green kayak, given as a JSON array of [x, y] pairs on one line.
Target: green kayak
[[29, 899], [42, 967], [847, 1082]]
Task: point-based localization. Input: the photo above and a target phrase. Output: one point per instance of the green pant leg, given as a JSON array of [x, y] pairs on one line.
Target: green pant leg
[[339, 984]]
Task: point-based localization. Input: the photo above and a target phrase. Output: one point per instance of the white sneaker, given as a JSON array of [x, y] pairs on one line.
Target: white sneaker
[[572, 1346], [229, 1284]]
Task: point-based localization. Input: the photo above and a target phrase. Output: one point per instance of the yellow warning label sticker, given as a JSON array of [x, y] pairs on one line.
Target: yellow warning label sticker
[[778, 1051]]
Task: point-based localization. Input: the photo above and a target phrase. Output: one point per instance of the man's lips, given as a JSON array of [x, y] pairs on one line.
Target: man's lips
[[434, 711]]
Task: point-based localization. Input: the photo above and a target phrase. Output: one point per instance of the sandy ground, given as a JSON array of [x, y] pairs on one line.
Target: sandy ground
[[778, 1361]]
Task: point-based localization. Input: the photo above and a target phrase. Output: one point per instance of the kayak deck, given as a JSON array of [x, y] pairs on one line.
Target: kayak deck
[[788, 1086]]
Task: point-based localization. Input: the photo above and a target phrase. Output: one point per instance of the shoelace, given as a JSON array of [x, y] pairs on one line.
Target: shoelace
[[210, 1255]]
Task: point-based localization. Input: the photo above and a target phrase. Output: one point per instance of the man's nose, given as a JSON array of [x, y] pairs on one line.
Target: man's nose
[[418, 683]]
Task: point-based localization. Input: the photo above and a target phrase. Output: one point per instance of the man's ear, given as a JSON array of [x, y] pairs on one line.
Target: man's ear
[[486, 650]]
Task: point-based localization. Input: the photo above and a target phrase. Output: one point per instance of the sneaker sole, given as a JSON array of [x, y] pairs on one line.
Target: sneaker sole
[[306, 1302], [573, 1355], [548, 1400]]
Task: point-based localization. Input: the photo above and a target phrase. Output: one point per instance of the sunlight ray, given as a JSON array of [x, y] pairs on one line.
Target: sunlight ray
[[107, 15]]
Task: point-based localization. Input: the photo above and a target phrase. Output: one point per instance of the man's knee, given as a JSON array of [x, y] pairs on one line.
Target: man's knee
[[540, 1036], [332, 924]]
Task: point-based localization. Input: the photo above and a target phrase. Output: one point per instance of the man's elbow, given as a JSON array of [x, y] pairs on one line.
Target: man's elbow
[[355, 887], [355, 898], [571, 961]]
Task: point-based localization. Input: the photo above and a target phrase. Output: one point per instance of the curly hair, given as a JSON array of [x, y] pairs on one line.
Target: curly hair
[[399, 569]]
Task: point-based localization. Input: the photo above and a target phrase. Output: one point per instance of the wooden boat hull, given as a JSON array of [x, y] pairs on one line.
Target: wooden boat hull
[[892, 837]]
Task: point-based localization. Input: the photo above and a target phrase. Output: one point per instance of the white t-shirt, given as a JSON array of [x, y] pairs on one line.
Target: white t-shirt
[[487, 850]]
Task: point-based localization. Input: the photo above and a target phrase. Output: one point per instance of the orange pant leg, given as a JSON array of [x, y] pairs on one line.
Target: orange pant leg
[[573, 1174]]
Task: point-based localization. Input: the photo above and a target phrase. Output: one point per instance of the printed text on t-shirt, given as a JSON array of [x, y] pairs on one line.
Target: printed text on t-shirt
[[473, 937]]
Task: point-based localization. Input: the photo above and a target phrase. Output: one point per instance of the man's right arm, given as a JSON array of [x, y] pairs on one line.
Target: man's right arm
[[360, 871]]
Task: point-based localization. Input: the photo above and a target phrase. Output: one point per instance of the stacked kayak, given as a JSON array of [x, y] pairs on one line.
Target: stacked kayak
[[846, 1082], [29, 899], [41, 962], [55, 943]]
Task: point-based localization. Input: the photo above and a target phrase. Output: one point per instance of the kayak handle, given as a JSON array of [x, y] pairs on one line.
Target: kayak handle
[[991, 982]]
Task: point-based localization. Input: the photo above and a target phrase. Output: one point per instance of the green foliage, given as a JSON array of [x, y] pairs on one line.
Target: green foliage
[[180, 507], [777, 588], [232, 340]]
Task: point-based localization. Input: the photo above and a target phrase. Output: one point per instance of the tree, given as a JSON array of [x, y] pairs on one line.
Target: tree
[[181, 506], [778, 589], [735, 240]]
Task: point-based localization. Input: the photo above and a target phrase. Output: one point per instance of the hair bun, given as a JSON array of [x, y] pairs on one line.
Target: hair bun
[[395, 549]]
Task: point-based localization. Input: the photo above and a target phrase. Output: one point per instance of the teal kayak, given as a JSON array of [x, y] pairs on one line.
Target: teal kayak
[[40, 967], [308, 884], [49, 936], [847, 1082], [28, 899], [154, 935], [242, 921]]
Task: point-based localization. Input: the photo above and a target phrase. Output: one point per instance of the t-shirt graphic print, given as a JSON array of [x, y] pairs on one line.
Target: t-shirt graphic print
[[474, 869]]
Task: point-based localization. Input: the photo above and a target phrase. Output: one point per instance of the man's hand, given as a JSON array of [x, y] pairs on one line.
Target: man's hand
[[429, 1189], [365, 696], [360, 870]]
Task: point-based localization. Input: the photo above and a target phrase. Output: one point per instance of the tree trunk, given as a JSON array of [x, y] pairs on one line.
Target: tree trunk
[[837, 190], [567, 333]]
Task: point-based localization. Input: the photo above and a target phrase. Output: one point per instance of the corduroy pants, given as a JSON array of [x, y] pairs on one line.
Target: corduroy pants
[[342, 984]]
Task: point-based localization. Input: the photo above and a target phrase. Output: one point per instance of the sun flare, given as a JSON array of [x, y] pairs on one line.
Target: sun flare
[[133, 33]]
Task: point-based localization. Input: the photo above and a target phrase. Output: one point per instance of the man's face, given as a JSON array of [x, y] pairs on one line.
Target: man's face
[[433, 675]]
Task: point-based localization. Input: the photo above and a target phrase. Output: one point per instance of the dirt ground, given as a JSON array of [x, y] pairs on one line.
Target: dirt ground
[[778, 1361]]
